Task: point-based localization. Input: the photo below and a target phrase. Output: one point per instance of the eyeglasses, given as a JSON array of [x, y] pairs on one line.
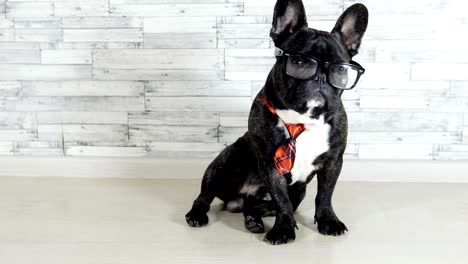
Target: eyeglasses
[[339, 75]]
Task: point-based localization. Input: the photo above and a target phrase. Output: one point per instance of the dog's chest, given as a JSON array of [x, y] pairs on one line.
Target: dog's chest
[[310, 144]]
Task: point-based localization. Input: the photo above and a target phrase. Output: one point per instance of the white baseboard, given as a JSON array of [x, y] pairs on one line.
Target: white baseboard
[[353, 170]]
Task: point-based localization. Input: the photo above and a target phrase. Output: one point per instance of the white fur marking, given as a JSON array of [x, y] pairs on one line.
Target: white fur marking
[[310, 144], [293, 117]]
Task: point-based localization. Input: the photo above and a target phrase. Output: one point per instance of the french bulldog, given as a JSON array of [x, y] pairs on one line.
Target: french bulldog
[[297, 129]]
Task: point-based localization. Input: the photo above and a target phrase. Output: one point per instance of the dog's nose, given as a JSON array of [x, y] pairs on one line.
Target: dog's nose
[[320, 78]]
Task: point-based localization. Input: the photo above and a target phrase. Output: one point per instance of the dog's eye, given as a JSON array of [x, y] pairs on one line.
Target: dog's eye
[[297, 62]]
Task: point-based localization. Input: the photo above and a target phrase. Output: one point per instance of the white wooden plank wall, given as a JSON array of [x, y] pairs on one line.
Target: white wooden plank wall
[[176, 78]]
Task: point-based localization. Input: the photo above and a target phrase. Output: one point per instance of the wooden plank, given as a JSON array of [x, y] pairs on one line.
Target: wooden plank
[[37, 23], [66, 56], [169, 10], [158, 2], [204, 24], [405, 7], [82, 8], [180, 41], [198, 88], [400, 86], [99, 151], [405, 137], [244, 43], [185, 149], [394, 102], [90, 104], [17, 120], [435, 91], [35, 72], [396, 151], [38, 152], [451, 152], [247, 72], [180, 32], [267, 19], [174, 118], [439, 72], [63, 117], [234, 31], [221, 104], [420, 51], [352, 106], [229, 135], [404, 122], [102, 22], [103, 35], [6, 148], [38, 34], [199, 59], [459, 89], [449, 104], [19, 45], [98, 45], [174, 133], [10, 88], [29, 9], [20, 56], [248, 64], [413, 27], [160, 75], [6, 23], [376, 72], [82, 88], [233, 119], [265, 7], [17, 134], [7, 34], [83, 132]]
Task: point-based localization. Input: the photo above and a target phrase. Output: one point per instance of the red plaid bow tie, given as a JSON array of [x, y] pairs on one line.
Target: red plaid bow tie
[[286, 153]]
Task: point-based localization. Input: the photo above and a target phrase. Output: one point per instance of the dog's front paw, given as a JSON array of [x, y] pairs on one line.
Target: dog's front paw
[[196, 218], [280, 235], [331, 226]]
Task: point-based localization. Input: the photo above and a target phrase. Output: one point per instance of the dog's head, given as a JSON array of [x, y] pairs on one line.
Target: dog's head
[[313, 67]]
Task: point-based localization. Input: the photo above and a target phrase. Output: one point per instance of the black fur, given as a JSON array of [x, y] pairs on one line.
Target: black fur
[[250, 158]]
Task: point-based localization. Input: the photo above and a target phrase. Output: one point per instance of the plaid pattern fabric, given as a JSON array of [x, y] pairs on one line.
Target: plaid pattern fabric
[[286, 152]]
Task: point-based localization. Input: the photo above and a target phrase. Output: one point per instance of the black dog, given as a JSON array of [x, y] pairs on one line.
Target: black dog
[[297, 128]]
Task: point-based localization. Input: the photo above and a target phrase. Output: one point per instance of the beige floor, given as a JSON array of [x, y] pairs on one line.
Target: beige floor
[[58, 220]]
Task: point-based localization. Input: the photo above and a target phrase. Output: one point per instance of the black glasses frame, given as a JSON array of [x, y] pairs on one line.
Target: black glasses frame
[[326, 65]]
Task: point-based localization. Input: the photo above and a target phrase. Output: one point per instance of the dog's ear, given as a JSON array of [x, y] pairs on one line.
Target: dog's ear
[[351, 27], [289, 16]]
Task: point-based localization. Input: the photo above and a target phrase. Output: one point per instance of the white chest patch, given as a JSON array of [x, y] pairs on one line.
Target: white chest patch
[[310, 144]]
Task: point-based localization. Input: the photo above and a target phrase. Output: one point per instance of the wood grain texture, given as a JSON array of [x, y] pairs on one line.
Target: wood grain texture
[[116, 77]]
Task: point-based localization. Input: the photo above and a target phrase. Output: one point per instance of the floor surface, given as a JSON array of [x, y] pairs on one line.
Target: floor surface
[[133, 221]]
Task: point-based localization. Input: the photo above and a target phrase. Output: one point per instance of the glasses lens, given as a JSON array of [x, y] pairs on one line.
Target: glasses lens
[[301, 67], [343, 76]]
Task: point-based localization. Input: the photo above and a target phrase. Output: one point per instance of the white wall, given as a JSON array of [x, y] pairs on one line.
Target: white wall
[[175, 78]]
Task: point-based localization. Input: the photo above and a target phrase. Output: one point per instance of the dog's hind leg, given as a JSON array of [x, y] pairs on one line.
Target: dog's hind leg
[[223, 178], [197, 216]]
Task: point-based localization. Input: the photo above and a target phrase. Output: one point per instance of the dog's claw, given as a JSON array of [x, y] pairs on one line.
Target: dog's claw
[[331, 227], [278, 236], [196, 219]]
